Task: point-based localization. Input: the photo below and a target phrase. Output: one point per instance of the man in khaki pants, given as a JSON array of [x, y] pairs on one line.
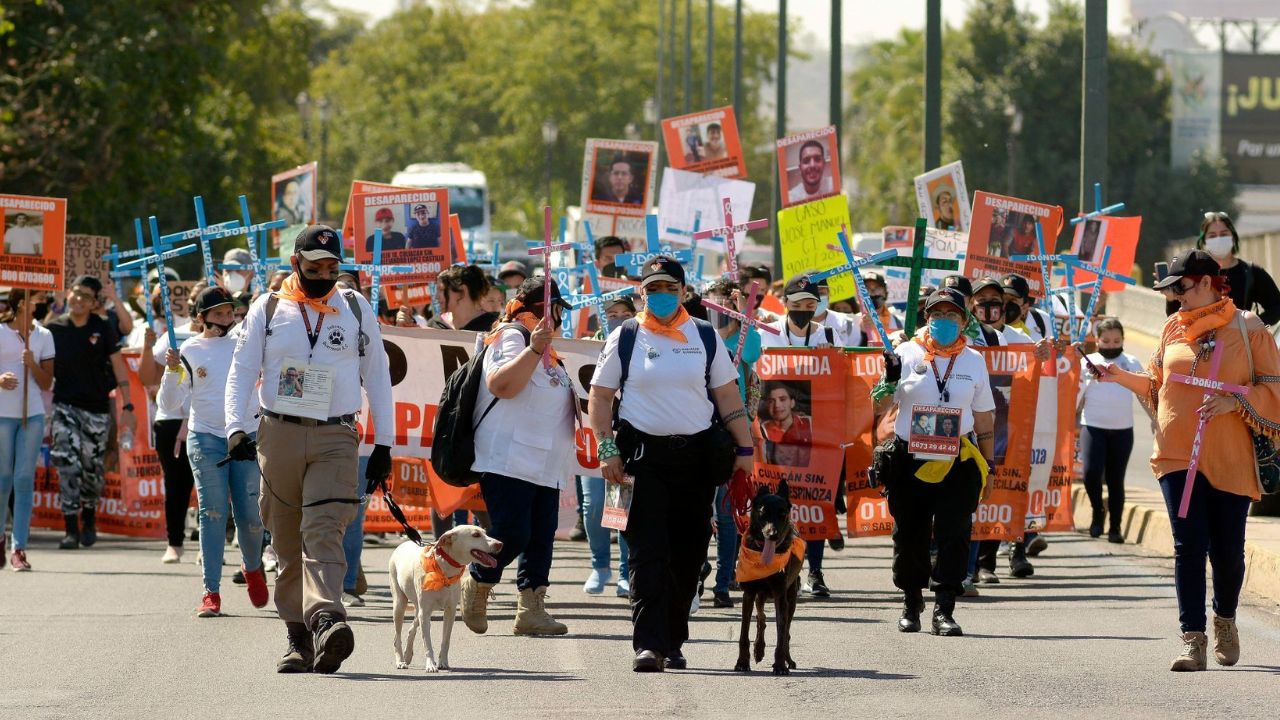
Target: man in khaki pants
[[307, 341]]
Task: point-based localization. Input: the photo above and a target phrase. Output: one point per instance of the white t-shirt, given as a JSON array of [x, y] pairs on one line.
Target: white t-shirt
[[842, 325], [1107, 406], [11, 361], [1033, 327], [666, 392], [817, 337], [200, 389], [1009, 335], [969, 385], [23, 240], [158, 351], [798, 194]]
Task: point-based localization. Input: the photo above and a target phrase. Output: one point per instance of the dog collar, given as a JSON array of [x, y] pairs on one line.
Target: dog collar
[[446, 557]]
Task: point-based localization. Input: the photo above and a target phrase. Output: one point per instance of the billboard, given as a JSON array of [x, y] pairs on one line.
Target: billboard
[[1228, 104]]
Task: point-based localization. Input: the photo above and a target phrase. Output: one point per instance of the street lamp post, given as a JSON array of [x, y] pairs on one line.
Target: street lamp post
[[550, 131], [303, 101], [1014, 116], [322, 108]]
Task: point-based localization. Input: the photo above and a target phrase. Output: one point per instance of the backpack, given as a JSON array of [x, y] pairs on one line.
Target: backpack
[[453, 445], [349, 295]]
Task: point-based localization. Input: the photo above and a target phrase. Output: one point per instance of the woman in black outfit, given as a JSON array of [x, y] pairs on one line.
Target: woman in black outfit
[[1252, 287]]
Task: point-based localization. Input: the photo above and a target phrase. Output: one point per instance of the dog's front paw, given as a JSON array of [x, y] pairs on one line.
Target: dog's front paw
[[402, 665], [742, 666], [444, 664], [430, 666], [781, 669]]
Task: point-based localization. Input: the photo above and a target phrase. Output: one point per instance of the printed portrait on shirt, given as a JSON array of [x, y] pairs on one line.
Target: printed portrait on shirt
[[787, 423]]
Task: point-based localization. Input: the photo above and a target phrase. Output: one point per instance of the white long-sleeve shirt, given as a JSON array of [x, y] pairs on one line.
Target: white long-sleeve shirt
[[199, 388], [337, 347]]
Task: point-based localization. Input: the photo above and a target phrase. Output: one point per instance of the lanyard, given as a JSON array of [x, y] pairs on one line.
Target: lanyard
[[942, 384], [312, 337]]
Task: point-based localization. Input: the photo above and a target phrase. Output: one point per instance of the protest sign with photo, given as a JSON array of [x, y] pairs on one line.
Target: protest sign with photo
[[809, 163], [1094, 235], [868, 514], [34, 231], [800, 421], [942, 198], [415, 231], [349, 218], [705, 142], [806, 232], [1054, 505], [293, 199], [83, 256], [618, 177], [690, 202], [939, 245], [1003, 227], [1014, 376]]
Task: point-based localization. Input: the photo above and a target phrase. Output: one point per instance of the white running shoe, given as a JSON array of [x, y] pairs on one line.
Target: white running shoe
[[269, 559], [172, 555]]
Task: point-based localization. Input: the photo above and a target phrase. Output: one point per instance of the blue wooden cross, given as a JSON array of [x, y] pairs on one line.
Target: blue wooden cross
[[634, 262], [1045, 259], [157, 258], [851, 265], [1100, 273], [257, 234], [375, 268], [1097, 207], [600, 301], [141, 273]]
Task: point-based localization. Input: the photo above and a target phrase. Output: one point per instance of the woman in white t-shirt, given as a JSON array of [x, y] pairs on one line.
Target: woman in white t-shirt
[[21, 428], [798, 328], [943, 450], [196, 376], [1106, 437]]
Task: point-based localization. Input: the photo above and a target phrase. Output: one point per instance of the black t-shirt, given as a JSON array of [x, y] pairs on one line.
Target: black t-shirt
[[82, 371], [480, 323]]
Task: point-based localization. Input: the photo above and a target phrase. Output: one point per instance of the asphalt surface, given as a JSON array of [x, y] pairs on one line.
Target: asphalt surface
[[110, 632]]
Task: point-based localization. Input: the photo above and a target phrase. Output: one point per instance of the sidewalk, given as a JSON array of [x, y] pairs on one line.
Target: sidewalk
[[1146, 520]]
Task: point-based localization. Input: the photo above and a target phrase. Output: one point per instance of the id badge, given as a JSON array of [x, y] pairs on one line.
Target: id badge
[[935, 432], [617, 503], [304, 389]]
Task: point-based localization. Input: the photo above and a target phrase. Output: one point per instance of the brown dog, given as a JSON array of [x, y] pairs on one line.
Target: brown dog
[[769, 564]]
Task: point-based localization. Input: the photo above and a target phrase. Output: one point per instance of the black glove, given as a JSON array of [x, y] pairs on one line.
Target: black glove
[[892, 367], [379, 466], [242, 447]]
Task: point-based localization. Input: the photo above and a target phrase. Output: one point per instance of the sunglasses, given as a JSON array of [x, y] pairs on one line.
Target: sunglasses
[[1179, 289]]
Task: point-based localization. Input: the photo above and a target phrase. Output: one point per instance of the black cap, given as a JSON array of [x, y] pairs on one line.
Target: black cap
[[662, 268], [622, 300], [801, 287], [984, 283], [530, 293], [1192, 262], [1017, 285], [318, 242], [210, 298], [958, 282], [946, 296], [873, 275]]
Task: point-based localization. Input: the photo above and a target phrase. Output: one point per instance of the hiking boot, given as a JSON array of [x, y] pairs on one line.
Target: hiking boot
[[1037, 545], [300, 654], [943, 624], [210, 605], [817, 587], [1019, 566], [532, 617], [334, 642], [88, 526], [256, 581], [912, 606], [71, 540], [722, 599], [1193, 657], [836, 543], [1095, 527], [987, 577], [578, 533], [19, 561], [596, 581], [1115, 537], [1226, 641], [475, 604], [172, 555]]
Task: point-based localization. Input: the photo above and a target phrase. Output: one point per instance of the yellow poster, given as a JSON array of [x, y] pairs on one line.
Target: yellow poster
[[806, 231]]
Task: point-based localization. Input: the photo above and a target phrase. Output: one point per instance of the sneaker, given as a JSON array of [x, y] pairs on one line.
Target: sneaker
[[1226, 641], [624, 588], [256, 580], [836, 543], [172, 555], [238, 578], [816, 586], [1115, 537], [986, 577], [696, 605], [597, 581], [269, 560], [210, 605], [970, 590], [18, 561], [578, 533], [722, 600], [333, 641], [350, 599], [1194, 656], [1037, 545]]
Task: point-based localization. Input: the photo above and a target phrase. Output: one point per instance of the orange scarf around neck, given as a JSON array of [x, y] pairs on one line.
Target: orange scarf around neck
[[669, 329], [933, 349], [1197, 323], [751, 565], [517, 314], [291, 289], [433, 577]]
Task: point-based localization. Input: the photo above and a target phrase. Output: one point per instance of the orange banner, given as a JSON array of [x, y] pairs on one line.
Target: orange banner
[[1057, 500], [705, 142], [33, 233], [1015, 380], [868, 509]]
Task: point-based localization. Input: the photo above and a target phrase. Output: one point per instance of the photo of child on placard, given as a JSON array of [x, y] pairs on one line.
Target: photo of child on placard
[[412, 232], [787, 422], [23, 233], [705, 142], [293, 199], [810, 164], [942, 197]]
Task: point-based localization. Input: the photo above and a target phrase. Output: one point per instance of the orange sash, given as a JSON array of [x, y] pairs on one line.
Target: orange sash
[[433, 577], [291, 289], [1196, 323], [666, 329], [752, 567], [933, 349]]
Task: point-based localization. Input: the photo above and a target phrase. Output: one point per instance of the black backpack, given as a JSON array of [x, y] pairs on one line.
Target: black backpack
[[453, 444]]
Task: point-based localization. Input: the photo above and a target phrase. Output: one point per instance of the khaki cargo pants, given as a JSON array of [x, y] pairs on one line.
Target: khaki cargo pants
[[305, 465]]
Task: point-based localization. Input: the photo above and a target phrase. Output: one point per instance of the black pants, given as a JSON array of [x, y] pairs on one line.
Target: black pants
[[941, 511], [178, 481], [987, 554], [1106, 455], [667, 533]]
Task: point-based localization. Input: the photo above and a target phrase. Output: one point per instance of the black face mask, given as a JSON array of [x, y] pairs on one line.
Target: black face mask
[[990, 312], [878, 301], [1012, 311], [222, 329], [800, 318], [1110, 353], [612, 271], [39, 311], [316, 287]]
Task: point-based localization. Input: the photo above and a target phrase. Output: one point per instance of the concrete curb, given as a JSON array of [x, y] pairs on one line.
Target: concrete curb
[[1146, 523]]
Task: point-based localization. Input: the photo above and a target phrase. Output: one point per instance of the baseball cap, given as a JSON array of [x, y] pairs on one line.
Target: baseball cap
[[959, 282], [1017, 285], [873, 276], [530, 293], [170, 275], [318, 242], [237, 256], [662, 268], [1192, 262], [384, 214], [416, 208], [800, 287], [945, 296], [210, 298], [512, 267], [984, 283], [624, 300]]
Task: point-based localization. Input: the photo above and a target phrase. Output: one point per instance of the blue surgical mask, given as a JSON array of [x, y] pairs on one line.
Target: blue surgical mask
[[662, 305], [943, 331], [823, 304]]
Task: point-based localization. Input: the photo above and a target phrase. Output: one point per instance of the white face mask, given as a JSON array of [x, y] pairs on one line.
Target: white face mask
[[234, 282], [1220, 246]]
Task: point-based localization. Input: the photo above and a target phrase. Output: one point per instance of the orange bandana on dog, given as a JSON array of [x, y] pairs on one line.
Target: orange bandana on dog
[[751, 565], [433, 577]]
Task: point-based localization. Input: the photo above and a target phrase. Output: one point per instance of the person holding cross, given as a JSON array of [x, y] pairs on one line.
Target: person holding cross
[[1207, 332]]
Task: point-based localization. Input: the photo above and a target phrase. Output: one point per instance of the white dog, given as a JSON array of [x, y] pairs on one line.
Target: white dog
[[430, 575]]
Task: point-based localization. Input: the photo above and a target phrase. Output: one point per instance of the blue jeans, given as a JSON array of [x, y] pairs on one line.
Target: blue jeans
[[726, 541], [1214, 527], [234, 484], [523, 516], [353, 537], [19, 450], [597, 535]]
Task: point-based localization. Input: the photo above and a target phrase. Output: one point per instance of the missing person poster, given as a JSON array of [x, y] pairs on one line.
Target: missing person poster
[[1093, 236], [34, 231], [705, 142], [939, 245], [618, 177], [415, 232], [806, 232], [868, 514], [809, 164], [800, 421], [942, 197], [1004, 227], [1014, 375], [349, 219], [293, 199]]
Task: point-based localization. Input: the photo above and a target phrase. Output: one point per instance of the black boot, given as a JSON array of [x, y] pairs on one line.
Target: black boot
[[72, 539], [943, 623], [1019, 565], [88, 526], [1095, 527], [334, 642], [300, 655], [912, 606]]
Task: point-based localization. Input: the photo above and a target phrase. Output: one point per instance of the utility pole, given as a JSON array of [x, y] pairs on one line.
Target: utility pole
[[836, 111], [780, 129], [688, 54], [658, 97], [933, 84], [737, 59], [708, 95], [1093, 106]]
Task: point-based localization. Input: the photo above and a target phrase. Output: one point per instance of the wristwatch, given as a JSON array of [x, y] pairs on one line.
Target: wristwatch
[[744, 451]]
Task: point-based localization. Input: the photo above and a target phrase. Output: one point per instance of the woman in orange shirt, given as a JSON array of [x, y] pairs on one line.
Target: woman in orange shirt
[[1226, 479]]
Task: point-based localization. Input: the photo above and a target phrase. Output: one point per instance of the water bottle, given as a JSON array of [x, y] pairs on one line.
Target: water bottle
[[126, 440]]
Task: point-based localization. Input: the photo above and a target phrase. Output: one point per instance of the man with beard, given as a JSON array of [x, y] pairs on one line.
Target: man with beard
[[815, 181]]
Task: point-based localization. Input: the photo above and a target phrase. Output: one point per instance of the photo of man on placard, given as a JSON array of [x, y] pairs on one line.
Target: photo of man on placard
[[23, 234], [424, 226], [392, 239], [943, 196], [788, 426], [815, 174], [620, 178], [293, 200], [715, 148]]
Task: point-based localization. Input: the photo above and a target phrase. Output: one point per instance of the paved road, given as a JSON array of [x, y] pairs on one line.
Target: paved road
[[110, 633]]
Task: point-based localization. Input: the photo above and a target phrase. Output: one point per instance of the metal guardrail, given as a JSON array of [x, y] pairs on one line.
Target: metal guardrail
[[1139, 308]]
